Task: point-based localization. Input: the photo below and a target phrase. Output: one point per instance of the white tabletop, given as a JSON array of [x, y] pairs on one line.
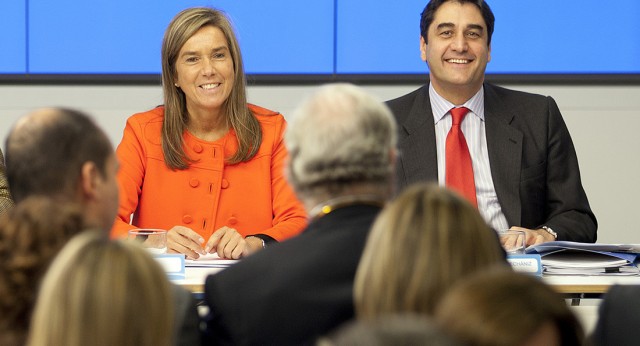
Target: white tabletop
[[195, 278]]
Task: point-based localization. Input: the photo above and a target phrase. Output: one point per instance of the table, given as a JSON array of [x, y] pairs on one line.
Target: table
[[195, 278], [587, 284], [578, 287], [574, 286]]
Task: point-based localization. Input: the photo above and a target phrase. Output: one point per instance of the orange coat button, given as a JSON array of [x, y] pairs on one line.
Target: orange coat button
[[233, 220], [225, 183], [194, 182], [187, 219], [197, 148]]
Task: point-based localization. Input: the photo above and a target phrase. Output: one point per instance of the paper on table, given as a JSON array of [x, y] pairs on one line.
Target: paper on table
[[628, 270], [562, 245], [210, 260], [572, 262], [583, 260]]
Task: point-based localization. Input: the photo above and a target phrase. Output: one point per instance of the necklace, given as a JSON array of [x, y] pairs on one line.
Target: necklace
[[332, 204]]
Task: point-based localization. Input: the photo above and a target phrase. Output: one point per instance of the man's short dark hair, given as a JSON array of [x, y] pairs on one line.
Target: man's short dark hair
[[430, 10], [45, 153]]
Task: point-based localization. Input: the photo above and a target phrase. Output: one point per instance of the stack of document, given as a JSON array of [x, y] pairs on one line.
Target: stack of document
[[210, 261], [572, 258]]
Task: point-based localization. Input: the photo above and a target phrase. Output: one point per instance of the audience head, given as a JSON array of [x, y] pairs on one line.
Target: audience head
[[341, 139], [62, 154], [502, 307], [103, 292], [404, 329], [419, 246], [31, 234], [430, 10]]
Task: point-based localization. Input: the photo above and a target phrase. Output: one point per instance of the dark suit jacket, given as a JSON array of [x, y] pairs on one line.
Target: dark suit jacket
[[533, 162], [619, 320], [292, 292], [187, 320]]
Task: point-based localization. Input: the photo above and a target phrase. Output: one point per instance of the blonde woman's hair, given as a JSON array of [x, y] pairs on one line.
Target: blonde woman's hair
[[419, 246], [246, 126], [102, 292]]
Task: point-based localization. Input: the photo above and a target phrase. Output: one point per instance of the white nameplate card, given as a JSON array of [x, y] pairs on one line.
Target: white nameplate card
[[173, 265], [529, 264]]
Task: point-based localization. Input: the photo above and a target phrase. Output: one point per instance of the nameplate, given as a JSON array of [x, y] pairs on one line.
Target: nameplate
[[173, 265], [529, 264]]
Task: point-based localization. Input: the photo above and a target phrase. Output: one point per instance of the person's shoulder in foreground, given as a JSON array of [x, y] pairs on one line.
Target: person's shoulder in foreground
[[294, 291], [618, 320], [300, 289]]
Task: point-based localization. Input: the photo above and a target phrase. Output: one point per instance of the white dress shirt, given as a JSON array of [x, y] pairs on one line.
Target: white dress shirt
[[474, 132]]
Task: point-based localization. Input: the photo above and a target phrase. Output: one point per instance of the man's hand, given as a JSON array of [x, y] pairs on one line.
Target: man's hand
[[186, 241], [535, 236]]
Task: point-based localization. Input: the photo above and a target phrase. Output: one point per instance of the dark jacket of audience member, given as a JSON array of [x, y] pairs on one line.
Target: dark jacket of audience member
[[618, 317]]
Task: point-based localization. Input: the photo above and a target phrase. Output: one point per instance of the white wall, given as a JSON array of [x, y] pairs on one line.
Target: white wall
[[603, 121]]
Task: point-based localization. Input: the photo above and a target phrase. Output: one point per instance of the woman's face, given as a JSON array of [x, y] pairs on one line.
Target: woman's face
[[204, 71]]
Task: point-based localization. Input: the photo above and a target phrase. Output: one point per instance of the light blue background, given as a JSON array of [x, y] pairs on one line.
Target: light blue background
[[313, 37]]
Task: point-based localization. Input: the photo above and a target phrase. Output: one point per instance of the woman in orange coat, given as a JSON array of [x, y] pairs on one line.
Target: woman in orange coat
[[206, 166]]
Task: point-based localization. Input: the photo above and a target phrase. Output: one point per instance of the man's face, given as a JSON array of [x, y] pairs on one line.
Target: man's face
[[457, 51]]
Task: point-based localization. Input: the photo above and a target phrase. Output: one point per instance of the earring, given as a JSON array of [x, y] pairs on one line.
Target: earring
[[176, 84]]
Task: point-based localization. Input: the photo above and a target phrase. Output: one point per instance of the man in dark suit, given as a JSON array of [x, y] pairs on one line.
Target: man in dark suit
[[618, 317], [525, 168], [342, 150]]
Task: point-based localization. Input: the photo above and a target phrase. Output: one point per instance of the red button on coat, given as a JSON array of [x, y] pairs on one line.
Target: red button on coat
[[225, 183], [232, 220], [197, 148], [194, 182], [187, 219]]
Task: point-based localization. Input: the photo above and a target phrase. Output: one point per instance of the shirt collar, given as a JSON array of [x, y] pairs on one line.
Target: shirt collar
[[441, 107]]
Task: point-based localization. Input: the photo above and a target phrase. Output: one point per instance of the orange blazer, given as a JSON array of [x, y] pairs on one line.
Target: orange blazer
[[252, 197]]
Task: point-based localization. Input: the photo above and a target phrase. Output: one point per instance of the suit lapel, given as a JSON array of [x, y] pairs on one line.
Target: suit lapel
[[418, 142], [504, 144]]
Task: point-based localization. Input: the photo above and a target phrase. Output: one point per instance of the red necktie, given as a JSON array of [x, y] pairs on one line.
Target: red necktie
[[459, 171]]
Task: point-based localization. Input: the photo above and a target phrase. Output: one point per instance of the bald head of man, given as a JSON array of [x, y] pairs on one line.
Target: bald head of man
[[62, 154]]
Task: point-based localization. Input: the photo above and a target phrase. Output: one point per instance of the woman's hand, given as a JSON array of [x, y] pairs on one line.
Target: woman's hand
[[228, 243], [186, 241]]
